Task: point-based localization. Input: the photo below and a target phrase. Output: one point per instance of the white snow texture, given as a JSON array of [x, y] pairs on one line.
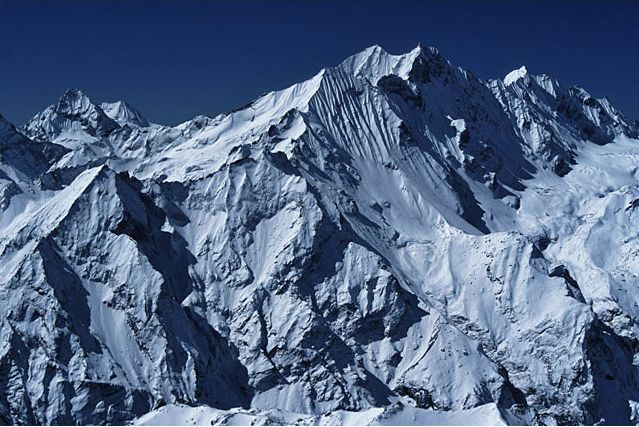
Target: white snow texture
[[392, 241]]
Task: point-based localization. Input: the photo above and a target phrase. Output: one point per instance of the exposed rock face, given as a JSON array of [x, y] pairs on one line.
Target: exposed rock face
[[391, 229]]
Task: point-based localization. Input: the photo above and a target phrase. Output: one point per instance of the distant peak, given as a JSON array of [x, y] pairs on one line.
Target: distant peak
[[115, 104], [73, 112], [74, 101], [515, 75], [123, 113], [423, 47], [73, 95], [71, 92]]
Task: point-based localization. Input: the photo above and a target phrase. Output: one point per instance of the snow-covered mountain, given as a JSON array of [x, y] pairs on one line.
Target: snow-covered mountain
[[124, 114], [391, 233]]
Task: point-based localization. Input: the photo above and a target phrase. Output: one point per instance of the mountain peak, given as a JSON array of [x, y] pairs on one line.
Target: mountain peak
[[73, 93], [515, 75], [124, 114], [374, 62], [73, 101], [73, 112], [428, 49]]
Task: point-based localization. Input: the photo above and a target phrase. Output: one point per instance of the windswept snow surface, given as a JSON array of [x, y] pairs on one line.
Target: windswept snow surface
[[391, 241], [397, 415]]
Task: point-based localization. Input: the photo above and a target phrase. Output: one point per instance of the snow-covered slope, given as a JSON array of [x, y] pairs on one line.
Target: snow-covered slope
[[391, 236], [397, 414], [124, 114]]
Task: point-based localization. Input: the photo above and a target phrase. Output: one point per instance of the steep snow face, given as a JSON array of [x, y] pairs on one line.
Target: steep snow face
[[124, 114], [391, 239]]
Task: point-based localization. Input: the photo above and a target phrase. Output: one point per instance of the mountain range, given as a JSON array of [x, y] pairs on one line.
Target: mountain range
[[391, 236]]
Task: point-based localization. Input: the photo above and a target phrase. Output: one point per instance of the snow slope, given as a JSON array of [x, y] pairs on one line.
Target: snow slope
[[124, 114], [397, 414], [391, 230]]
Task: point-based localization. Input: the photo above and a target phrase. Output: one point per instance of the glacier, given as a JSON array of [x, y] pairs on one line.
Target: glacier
[[390, 241]]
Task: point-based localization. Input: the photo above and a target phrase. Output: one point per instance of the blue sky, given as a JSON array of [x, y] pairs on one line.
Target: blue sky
[[176, 59]]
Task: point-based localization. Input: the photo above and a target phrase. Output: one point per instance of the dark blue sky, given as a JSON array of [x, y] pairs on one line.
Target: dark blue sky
[[176, 59]]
